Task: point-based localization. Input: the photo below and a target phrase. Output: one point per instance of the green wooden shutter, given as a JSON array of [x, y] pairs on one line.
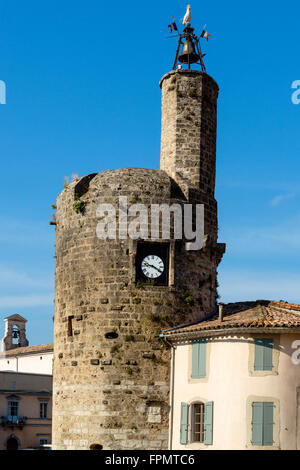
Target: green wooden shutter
[[184, 422], [268, 424], [268, 353], [208, 423], [199, 359], [263, 354], [262, 423], [257, 423]]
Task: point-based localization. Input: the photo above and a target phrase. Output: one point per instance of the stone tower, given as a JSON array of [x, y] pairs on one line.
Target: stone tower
[[15, 333], [111, 371]]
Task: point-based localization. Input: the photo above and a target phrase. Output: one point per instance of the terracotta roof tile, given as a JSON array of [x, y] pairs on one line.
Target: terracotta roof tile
[[258, 314]]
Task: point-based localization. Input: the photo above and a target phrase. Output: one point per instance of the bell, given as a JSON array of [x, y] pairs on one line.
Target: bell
[[188, 53], [15, 334]]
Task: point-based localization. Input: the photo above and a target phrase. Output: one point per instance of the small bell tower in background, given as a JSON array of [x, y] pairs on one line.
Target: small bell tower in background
[[15, 333]]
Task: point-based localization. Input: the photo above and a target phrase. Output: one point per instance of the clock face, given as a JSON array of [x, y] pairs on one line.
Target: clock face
[[152, 263], [152, 266]]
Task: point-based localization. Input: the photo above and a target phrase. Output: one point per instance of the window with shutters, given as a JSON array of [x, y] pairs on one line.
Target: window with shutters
[[196, 423], [262, 423], [263, 359]]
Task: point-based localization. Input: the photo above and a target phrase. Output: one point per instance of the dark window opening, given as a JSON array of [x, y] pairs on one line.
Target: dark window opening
[[198, 422], [70, 326], [43, 410], [111, 335]]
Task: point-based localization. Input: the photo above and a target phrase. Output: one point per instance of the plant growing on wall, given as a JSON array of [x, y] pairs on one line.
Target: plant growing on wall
[[192, 92], [141, 284], [78, 206], [129, 338], [188, 297]]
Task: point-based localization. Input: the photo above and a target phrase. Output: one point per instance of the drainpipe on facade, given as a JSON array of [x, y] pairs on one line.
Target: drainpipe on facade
[[171, 392]]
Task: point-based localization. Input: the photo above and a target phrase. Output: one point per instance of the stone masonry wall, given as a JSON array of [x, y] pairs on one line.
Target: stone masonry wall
[[188, 137], [189, 127]]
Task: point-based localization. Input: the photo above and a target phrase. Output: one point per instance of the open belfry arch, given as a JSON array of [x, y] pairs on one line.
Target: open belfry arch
[[15, 333], [111, 376]]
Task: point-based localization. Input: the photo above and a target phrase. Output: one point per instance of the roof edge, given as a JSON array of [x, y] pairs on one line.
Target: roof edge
[[190, 335]]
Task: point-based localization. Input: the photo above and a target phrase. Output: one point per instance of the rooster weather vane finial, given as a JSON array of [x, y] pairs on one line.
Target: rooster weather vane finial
[[191, 49]]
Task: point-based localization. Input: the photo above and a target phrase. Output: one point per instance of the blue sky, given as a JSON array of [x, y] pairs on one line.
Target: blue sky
[[83, 96]]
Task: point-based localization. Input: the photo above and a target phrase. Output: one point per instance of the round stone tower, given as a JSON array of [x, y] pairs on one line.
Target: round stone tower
[[115, 293]]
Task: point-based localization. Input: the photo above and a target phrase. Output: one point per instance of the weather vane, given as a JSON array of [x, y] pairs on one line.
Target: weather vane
[[191, 50]]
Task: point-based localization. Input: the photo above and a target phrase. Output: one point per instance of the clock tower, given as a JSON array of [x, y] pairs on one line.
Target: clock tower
[[114, 295]]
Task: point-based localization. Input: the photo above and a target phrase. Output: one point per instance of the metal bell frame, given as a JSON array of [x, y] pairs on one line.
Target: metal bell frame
[[189, 36]]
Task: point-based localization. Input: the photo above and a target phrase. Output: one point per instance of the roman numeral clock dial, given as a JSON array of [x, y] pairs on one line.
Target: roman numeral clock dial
[[152, 266]]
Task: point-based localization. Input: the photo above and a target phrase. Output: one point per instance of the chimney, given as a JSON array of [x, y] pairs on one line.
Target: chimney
[[221, 311]]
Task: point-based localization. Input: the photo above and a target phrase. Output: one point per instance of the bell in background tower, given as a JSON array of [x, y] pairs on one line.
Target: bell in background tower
[[15, 333]]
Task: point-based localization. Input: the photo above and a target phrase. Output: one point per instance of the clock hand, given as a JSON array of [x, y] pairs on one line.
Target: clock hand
[[152, 266]]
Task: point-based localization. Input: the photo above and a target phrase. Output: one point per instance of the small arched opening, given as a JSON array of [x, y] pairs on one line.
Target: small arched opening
[[12, 443], [15, 335], [96, 447]]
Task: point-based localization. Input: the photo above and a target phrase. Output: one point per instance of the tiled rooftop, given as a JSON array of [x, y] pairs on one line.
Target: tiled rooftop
[[41, 348], [259, 314]]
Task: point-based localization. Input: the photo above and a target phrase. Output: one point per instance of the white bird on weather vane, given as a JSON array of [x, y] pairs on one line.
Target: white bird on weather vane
[[187, 17]]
